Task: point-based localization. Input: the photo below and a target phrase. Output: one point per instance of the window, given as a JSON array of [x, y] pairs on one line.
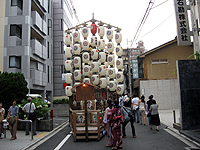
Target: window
[[49, 25], [16, 3], [47, 49], [40, 66], [160, 61], [16, 30], [15, 62], [48, 74]]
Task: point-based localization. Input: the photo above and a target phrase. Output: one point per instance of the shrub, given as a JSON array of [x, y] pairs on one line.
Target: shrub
[[61, 101]]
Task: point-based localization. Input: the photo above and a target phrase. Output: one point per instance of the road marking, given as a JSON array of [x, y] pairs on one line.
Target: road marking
[[63, 141], [41, 135]]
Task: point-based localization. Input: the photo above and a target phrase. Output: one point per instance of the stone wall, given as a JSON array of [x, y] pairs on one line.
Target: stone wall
[[165, 92]]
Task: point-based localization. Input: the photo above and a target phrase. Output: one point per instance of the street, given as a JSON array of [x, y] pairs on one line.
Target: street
[[146, 139]]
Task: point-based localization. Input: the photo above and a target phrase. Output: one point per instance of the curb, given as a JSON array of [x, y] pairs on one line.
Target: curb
[[50, 134]]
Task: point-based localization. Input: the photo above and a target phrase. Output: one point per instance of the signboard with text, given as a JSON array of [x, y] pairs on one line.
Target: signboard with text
[[135, 68], [183, 32]]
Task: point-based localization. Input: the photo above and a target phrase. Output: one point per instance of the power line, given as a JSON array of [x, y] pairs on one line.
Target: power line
[[160, 4]]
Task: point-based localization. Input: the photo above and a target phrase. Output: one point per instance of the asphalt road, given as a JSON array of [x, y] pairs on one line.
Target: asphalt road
[[146, 140]]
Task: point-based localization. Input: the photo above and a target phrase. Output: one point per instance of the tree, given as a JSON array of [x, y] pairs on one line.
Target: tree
[[12, 85]]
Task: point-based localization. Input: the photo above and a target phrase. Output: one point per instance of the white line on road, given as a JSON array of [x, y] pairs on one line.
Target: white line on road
[[63, 141]]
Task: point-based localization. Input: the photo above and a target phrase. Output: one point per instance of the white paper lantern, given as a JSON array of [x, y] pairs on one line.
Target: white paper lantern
[[103, 82], [111, 60], [110, 47], [109, 34], [68, 65], [101, 31], [93, 41], [76, 36], [95, 79], [102, 57], [118, 37], [112, 85], [77, 49], [108, 79], [68, 78], [101, 44], [107, 72], [77, 75], [85, 45], [106, 63], [68, 52], [86, 70], [68, 90], [111, 73], [68, 39], [119, 50], [94, 54], [86, 80], [119, 63], [95, 66], [120, 89], [86, 57], [77, 62], [85, 32], [102, 70], [77, 83], [120, 76]]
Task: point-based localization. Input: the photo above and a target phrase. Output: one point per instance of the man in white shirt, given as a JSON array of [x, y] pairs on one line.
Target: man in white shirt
[[135, 107]]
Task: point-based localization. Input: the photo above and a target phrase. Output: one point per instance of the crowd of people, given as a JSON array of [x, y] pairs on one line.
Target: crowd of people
[[120, 112]]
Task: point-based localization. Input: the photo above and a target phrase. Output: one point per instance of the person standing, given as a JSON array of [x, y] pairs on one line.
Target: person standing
[[30, 108], [142, 105], [149, 103], [13, 111], [155, 120], [2, 112], [135, 108], [126, 112], [115, 123], [107, 114]]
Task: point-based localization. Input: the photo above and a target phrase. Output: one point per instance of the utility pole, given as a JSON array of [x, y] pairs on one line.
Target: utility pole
[[129, 68]]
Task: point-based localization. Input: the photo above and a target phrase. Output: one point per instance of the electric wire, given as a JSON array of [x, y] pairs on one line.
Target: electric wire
[[160, 4]]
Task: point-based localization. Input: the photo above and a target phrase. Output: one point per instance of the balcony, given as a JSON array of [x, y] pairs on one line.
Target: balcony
[[37, 20], [38, 77], [44, 4], [38, 49], [44, 27]]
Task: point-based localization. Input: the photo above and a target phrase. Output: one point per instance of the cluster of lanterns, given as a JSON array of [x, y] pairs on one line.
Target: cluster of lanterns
[[94, 62]]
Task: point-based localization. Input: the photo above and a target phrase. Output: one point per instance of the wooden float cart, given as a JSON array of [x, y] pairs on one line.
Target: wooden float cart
[[86, 124]]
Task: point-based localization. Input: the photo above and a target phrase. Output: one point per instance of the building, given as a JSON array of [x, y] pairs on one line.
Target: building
[[2, 23], [157, 73], [62, 20], [28, 43]]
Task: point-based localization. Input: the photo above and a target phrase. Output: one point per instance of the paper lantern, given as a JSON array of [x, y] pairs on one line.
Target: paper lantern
[[85, 32], [76, 36], [93, 28], [68, 52], [77, 75], [77, 49], [119, 63], [77, 83], [102, 70], [86, 80], [120, 89], [95, 66], [112, 85], [102, 57], [86, 70], [77, 62], [95, 79], [103, 82], [68, 78], [101, 31], [101, 44], [109, 34], [68, 90], [94, 54], [68, 65], [118, 38], [68, 39], [111, 60], [85, 45], [120, 76], [93, 41], [85, 57], [119, 50], [110, 47], [106, 64], [111, 73]]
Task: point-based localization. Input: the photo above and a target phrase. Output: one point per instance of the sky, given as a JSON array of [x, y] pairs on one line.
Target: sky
[[159, 28]]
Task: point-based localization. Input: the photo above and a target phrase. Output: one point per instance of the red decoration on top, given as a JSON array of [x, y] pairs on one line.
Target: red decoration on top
[[64, 85], [93, 28]]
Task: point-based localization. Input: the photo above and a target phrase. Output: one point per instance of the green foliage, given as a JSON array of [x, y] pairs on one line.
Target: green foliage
[[197, 56], [61, 101], [12, 85], [41, 108]]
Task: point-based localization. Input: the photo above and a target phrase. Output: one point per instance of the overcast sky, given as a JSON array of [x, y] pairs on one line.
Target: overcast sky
[[127, 15]]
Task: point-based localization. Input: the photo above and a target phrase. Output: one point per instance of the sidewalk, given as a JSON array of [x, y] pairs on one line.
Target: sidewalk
[[23, 141]]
